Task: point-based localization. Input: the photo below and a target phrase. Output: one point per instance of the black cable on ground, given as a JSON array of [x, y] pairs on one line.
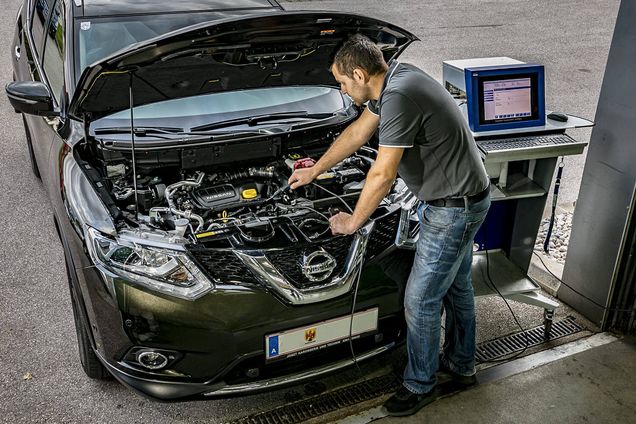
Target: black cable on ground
[[578, 292], [527, 344]]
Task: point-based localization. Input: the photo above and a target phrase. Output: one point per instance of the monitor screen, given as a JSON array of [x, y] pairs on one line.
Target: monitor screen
[[506, 97]]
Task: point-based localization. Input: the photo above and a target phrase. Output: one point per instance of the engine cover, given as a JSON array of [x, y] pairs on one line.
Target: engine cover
[[226, 195], [217, 196]]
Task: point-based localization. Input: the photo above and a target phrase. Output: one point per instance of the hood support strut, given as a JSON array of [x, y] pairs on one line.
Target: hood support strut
[[132, 140]]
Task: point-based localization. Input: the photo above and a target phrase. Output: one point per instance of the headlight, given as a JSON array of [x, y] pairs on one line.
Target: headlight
[[166, 271]]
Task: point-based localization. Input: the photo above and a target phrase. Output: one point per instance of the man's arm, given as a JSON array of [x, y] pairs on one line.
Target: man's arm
[[377, 185], [351, 139]]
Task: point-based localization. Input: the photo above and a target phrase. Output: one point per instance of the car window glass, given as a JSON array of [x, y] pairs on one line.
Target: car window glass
[[40, 13], [243, 103], [35, 74], [53, 60]]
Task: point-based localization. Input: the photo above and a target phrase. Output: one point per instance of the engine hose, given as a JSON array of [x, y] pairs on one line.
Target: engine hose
[[261, 172], [171, 189], [174, 187], [250, 172]]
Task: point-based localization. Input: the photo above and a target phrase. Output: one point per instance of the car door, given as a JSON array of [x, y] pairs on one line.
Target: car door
[[50, 64], [28, 66]]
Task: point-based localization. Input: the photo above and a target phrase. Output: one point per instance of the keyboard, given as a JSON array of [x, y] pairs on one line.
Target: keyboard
[[546, 140]]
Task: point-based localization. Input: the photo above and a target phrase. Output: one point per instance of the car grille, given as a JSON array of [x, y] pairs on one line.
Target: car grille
[[228, 268], [289, 261], [224, 265]]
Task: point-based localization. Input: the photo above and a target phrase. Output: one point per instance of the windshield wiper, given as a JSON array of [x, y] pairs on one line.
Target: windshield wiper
[[169, 133], [139, 131], [254, 120], [176, 134]]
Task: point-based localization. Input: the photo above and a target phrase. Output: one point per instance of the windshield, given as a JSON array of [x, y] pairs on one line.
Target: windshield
[[100, 37], [214, 108]]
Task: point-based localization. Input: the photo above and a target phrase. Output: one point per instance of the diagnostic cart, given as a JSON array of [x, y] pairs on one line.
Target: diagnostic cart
[[504, 103]]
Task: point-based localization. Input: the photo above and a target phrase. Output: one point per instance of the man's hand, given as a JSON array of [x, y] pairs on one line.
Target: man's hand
[[378, 183], [301, 177], [352, 138], [342, 223]]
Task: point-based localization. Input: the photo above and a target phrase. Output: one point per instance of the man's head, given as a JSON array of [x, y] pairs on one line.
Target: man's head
[[356, 64]]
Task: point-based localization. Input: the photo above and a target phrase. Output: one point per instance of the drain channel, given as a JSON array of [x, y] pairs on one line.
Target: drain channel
[[325, 403], [513, 343]]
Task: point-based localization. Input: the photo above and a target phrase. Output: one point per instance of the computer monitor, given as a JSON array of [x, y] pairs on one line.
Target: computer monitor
[[505, 97]]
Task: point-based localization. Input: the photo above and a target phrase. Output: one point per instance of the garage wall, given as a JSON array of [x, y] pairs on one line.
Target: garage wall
[[607, 188]]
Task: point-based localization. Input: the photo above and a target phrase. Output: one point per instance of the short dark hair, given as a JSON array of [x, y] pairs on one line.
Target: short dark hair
[[359, 52]]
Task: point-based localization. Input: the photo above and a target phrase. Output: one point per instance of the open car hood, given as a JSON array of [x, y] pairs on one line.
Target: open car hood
[[282, 49]]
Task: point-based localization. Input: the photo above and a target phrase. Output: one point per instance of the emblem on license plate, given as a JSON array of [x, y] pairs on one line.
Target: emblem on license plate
[[310, 335]]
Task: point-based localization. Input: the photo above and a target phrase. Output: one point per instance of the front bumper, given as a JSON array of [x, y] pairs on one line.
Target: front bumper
[[167, 390], [221, 336]]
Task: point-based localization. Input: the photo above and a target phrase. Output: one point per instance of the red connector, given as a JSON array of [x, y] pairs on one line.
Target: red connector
[[304, 163]]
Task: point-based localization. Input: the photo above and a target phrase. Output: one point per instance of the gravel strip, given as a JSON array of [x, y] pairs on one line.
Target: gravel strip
[[558, 245]]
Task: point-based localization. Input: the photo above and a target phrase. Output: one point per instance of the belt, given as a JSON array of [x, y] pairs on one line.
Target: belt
[[460, 202]]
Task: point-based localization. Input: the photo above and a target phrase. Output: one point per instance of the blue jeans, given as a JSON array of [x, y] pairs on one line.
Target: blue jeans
[[441, 276]]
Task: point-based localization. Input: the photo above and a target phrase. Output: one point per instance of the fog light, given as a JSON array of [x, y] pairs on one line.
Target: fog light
[[253, 372], [152, 360]]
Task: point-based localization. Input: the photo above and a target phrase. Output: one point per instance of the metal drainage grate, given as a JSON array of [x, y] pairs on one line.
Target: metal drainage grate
[[325, 403], [322, 404], [498, 348]]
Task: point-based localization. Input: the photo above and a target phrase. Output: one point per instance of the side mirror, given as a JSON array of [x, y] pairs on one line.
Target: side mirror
[[32, 98]]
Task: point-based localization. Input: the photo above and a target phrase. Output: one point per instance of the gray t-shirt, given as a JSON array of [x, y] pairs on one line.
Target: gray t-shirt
[[440, 156]]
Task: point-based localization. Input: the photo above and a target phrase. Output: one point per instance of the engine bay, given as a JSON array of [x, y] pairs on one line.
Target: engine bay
[[244, 205]]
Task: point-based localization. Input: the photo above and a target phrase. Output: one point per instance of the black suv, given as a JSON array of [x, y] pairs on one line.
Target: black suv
[[164, 138]]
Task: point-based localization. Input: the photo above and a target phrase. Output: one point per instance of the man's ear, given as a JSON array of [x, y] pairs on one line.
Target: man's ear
[[360, 76]]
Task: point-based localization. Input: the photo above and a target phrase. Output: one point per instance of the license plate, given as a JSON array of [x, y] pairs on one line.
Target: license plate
[[320, 335]]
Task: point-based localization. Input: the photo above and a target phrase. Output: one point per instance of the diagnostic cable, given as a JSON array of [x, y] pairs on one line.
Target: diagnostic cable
[[356, 284]]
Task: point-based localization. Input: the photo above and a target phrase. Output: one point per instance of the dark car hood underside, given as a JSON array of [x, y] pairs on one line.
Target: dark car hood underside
[[287, 48]]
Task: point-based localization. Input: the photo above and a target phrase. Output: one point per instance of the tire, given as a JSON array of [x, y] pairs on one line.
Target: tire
[[34, 165], [90, 362]]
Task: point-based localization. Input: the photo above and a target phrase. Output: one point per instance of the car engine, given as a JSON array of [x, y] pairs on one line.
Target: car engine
[[247, 204]]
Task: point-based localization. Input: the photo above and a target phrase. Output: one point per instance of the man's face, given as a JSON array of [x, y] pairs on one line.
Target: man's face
[[357, 87]]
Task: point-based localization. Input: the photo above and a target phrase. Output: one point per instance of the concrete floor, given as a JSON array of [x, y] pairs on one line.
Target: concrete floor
[[586, 387]]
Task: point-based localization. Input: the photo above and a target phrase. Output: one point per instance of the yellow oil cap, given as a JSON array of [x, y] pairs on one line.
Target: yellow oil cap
[[249, 193]]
